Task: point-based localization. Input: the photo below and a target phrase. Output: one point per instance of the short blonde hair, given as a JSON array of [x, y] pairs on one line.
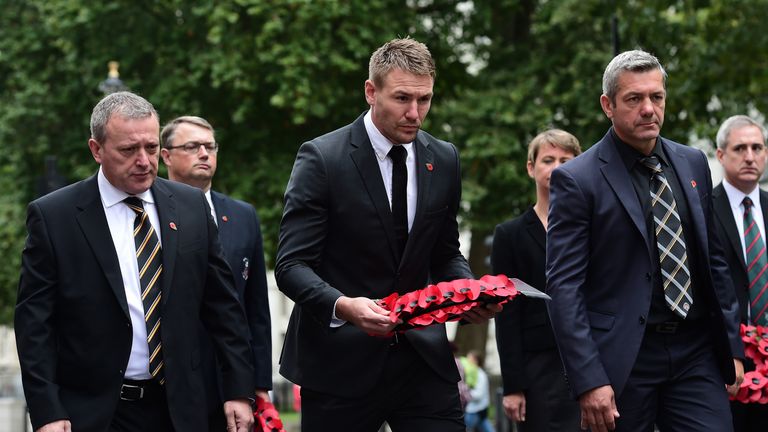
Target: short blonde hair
[[405, 54], [558, 138]]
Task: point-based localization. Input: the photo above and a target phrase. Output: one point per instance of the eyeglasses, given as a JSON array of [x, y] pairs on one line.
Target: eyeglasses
[[194, 147]]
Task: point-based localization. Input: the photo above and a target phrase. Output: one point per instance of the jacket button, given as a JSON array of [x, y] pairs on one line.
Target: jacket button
[[642, 319], [648, 276]]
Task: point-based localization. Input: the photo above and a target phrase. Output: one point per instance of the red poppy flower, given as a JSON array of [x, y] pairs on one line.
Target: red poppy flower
[[266, 417]]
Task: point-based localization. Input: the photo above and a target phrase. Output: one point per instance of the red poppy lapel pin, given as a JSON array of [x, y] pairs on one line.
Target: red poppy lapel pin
[[225, 218], [430, 167], [172, 225], [693, 184]]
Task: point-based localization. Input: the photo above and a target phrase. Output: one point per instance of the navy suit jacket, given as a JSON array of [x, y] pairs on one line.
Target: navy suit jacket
[[73, 330], [599, 264], [337, 238], [734, 253], [240, 237]]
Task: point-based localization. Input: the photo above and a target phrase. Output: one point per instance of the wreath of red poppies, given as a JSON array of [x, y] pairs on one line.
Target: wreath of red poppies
[[447, 301], [266, 417], [754, 388]]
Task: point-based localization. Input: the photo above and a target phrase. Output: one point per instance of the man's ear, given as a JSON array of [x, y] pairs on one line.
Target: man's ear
[[166, 155], [605, 103], [95, 149], [370, 92]]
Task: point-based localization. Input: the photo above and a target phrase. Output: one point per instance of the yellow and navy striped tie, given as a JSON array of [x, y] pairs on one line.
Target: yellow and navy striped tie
[[149, 257]]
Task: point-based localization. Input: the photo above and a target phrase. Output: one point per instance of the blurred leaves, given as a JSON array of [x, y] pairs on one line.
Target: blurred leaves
[[270, 74]]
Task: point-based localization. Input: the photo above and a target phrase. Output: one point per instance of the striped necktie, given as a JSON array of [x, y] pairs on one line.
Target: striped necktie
[[149, 258], [757, 263], [673, 256]]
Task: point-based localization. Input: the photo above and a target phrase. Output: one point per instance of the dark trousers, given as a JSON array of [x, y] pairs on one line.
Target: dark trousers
[[676, 384], [549, 404], [409, 396], [148, 414], [749, 417]]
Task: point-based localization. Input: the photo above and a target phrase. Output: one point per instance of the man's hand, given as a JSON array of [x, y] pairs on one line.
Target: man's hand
[[264, 394], [734, 388], [57, 426], [482, 314], [598, 409], [514, 406], [239, 415], [365, 314]]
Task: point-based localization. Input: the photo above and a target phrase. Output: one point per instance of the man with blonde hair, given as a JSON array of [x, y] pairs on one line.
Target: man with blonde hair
[[370, 209]]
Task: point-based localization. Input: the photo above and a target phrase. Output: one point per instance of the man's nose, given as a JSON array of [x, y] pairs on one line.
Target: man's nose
[[413, 111]]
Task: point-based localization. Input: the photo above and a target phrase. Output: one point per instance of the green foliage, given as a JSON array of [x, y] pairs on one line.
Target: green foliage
[[272, 74]]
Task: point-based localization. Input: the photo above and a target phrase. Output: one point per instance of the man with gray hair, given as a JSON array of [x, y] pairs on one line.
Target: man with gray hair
[[370, 210], [643, 308], [116, 273], [741, 208]]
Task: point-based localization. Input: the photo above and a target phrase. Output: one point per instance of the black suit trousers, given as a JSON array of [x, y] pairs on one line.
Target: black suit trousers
[[409, 396]]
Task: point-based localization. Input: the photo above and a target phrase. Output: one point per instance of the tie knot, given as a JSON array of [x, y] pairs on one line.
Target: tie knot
[[398, 153], [652, 163], [135, 204], [747, 203]]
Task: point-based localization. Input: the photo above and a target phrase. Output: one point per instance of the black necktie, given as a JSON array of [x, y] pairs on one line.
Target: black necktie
[[149, 258], [398, 154], [673, 256]]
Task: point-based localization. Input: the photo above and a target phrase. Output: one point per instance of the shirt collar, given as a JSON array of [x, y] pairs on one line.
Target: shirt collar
[[111, 195], [631, 156], [381, 145], [736, 197]]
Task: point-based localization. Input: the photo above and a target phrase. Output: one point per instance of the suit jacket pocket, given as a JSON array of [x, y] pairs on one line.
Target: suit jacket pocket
[[436, 214], [600, 321], [191, 246]]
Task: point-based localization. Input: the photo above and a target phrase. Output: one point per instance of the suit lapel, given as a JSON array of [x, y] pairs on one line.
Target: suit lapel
[[221, 207], [424, 158], [166, 212], [723, 212], [619, 180], [695, 209], [364, 158], [535, 229], [93, 223]]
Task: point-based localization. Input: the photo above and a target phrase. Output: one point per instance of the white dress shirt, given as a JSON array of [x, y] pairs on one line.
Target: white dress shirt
[[382, 146], [735, 199], [210, 204], [120, 219]]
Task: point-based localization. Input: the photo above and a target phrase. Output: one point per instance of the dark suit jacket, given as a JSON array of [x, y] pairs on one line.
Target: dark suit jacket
[[599, 265], [337, 238], [523, 326], [729, 235], [73, 330], [240, 237]]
